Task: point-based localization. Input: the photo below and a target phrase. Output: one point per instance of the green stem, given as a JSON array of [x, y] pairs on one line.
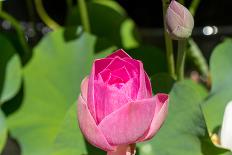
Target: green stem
[[181, 59], [194, 5], [69, 4], [168, 42], [84, 15], [31, 12], [19, 30], [44, 16], [196, 56]]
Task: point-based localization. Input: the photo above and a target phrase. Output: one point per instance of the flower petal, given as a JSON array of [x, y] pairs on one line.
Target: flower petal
[[161, 111], [90, 93], [107, 99], [128, 123], [100, 65], [84, 87], [119, 53], [89, 127], [144, 90], [226, 131]]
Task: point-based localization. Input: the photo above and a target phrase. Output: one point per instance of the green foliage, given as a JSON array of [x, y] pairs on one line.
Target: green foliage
[[10, 71], [184, 132], [109, 22], [194, 54], [3, 131], [69, 139], [220, 95], [52, 81], [162, 83]]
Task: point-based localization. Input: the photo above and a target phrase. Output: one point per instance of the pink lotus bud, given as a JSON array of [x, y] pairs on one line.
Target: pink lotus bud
[[116, 106], [226, 131], [179, 21]]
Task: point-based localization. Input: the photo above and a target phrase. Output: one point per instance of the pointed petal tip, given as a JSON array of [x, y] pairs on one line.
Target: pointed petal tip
[[119, 53], [161, 111]]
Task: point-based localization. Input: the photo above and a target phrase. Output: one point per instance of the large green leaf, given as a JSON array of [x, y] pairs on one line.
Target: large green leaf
[[221, 93], [52, 81], [184, 132], [10, 70], [3, 131], [69, 139], [109, 22]]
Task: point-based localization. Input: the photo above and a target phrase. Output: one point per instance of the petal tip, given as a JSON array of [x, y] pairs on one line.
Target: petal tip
[[119, 53]]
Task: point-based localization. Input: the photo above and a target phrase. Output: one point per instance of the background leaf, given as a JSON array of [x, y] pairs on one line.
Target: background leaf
[[52, 81], [3, 131], [162, 83], [109, 22], [184, 131], [221, 93], [10, 71], [69, 139]]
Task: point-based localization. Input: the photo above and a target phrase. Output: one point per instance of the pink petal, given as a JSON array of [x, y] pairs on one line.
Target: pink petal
[[107, 99], [130, 88], [122, 73], [133, 62], [90, 94], [177, 8], [89, 127], [105, 75], [84, 87], [128, 123], [148, 84], [101, 64], [119, 53], [144, 90], [115, 80], [161, 111], [117, 63]]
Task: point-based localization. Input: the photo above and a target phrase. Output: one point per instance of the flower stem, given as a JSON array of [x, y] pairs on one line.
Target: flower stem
[[168, 42], [44, 16], [181, 59], [19, 30], [84, 15], [124, 150], [194, 5]]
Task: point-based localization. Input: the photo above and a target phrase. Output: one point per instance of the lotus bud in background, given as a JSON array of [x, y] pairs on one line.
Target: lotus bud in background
[[179, 21], [226, 131], [116, 108]]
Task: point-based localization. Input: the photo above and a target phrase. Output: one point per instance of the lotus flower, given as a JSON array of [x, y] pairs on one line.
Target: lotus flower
[[226, 131], [179, 21], [116, 108]]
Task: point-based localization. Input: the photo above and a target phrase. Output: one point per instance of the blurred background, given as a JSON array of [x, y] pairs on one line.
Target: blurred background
[[212, 22]]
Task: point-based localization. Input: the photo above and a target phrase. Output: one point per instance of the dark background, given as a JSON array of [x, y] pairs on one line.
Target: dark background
[[146, 13]]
